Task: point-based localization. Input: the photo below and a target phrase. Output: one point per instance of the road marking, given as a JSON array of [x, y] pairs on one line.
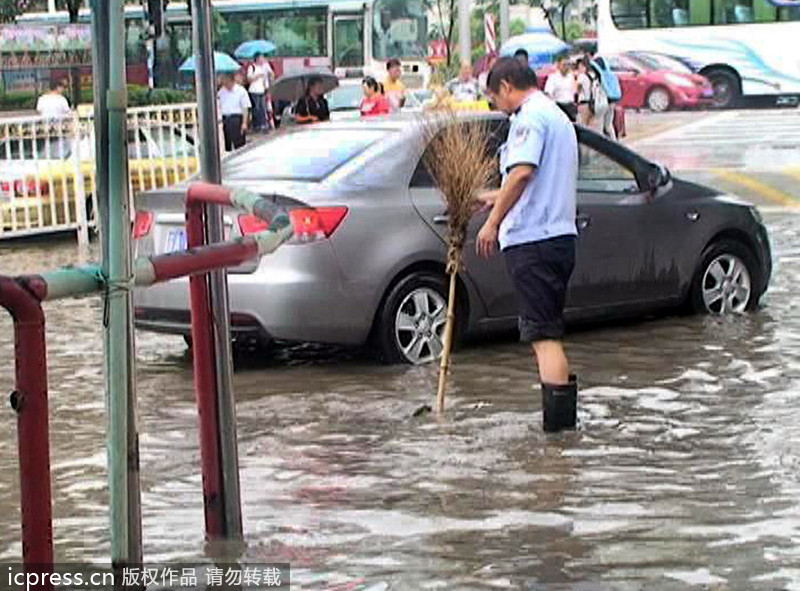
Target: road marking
[[762, 189], [792, 172]]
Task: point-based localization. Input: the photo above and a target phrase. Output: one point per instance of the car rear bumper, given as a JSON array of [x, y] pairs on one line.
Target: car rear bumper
[[691, 97], [296, 294]]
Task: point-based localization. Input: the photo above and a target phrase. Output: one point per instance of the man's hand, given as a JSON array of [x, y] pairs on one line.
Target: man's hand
[[486, 243], [244, 128]]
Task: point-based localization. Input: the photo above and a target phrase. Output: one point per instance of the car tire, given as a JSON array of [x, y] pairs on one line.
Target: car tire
[[727, 280], [410, 324], [658, 99], [727, 90]]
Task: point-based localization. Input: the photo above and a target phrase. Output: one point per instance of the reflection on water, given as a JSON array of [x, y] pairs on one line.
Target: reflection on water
[[684, 470]]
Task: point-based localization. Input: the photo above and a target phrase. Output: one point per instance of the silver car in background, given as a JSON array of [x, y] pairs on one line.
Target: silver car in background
[[366, 262]]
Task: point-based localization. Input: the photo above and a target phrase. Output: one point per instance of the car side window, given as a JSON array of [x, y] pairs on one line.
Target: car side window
[[497, 133], [600, 174]]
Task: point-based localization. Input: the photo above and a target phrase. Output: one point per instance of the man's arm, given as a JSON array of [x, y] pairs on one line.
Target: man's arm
[[506, 198]]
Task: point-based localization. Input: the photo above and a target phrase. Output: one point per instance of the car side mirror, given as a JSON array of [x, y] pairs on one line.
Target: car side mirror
[[657, 177]]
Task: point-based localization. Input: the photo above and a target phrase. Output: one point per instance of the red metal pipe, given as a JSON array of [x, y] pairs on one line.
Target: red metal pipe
[[205, 383], [22, 298], [203, 260], [207, 193]]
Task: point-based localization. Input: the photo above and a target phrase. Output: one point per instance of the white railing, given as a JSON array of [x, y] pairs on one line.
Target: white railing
[[47, 167]]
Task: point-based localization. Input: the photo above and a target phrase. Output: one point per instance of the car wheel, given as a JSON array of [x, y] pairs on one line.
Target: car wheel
[[411, 323], [726, 281], [726, 88], [659, 99]]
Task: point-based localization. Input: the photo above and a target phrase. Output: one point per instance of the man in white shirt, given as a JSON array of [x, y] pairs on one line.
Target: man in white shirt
[[562, 87], [465, 88], [53, 104], [533, 219], [259, 75], [234, 105]]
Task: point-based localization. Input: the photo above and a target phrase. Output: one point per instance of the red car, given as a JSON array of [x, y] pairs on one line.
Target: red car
[[659, 83], [653, 81]]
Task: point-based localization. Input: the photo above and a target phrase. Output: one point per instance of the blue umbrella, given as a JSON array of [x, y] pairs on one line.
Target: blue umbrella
[[542, 47], [222, 63], [249, 49]]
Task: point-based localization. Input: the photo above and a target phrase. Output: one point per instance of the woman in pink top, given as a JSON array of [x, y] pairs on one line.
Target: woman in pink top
[[373, 103]]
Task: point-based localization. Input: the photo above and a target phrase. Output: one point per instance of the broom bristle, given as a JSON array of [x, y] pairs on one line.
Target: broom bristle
[[461, 166]]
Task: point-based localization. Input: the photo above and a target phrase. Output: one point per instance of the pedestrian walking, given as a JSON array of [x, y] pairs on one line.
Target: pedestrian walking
[[613, 92], [53, 104], [393, 88], [465, 88], [234, 105], [374, 102], [562, 88], [532, 216], [313, 107], [259, 76], [584, 93]]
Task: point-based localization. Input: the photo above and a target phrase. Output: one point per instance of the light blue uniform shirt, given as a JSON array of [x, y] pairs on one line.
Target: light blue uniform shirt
[[542, 136]]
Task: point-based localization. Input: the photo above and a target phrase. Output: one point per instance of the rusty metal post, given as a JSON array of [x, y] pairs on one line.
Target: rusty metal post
[[29, 400]]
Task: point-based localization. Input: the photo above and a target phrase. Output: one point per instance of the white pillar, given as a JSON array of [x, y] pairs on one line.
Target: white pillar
[[464, 31], [51, 5], [504, 22]]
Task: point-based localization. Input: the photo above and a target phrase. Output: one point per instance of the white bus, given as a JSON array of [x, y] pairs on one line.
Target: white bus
[[747, 48], [339, 34]]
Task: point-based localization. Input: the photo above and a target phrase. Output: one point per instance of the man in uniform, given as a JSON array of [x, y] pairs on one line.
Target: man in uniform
[[533, 219]]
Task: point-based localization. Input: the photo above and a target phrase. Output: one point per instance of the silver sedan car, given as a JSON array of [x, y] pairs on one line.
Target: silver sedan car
[[366, 264]]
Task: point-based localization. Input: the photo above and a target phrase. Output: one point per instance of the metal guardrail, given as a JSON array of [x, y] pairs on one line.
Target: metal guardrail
[[47, 170]]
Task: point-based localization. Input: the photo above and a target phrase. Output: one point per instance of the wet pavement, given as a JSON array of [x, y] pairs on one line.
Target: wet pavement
[[685, 470]]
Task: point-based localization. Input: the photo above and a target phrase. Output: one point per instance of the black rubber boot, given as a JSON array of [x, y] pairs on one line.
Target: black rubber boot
[[560, 406]]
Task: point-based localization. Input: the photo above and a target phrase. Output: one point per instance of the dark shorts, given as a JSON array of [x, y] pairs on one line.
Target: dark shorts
[[540, 272]]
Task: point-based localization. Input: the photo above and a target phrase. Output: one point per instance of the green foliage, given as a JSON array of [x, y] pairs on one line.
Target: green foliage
[[516, 27], [18, 101], [11, 9], [140, 96], [574, 30]]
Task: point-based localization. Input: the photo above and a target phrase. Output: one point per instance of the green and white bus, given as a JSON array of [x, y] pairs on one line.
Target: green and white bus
[[746, 48], [338, 34]]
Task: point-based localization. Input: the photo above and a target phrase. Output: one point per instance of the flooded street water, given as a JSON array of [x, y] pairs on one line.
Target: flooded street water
[[685, 470]]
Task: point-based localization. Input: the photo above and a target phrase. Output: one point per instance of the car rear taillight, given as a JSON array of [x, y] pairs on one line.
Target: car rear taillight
[[143, 224], [308, 224], [250, 224], [316, 224]]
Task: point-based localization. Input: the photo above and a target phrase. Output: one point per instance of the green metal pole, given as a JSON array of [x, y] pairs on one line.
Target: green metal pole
[[125, 535]]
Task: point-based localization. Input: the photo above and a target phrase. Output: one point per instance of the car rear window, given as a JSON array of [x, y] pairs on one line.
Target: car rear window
[[303, 155]]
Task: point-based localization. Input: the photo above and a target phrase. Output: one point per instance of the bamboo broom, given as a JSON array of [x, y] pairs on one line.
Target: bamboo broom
[[461, 166]]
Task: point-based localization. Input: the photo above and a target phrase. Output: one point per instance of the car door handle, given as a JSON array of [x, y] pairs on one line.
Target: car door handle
[[583, 221], [441, 219]]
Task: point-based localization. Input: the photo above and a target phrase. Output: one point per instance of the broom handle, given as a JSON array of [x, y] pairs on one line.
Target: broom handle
[[444, 366]]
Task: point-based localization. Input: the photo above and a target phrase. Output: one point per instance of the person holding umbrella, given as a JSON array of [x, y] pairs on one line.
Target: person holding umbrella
[[313, 107], [234, 104], [259, 77]]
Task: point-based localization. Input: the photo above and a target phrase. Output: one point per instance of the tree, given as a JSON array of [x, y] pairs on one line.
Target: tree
[[446, 12]]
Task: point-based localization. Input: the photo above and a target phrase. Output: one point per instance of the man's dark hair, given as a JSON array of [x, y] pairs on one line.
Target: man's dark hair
[[57, 84], [257, 55], [312, 81], [510, 70], [392, 63], [521, 53]]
